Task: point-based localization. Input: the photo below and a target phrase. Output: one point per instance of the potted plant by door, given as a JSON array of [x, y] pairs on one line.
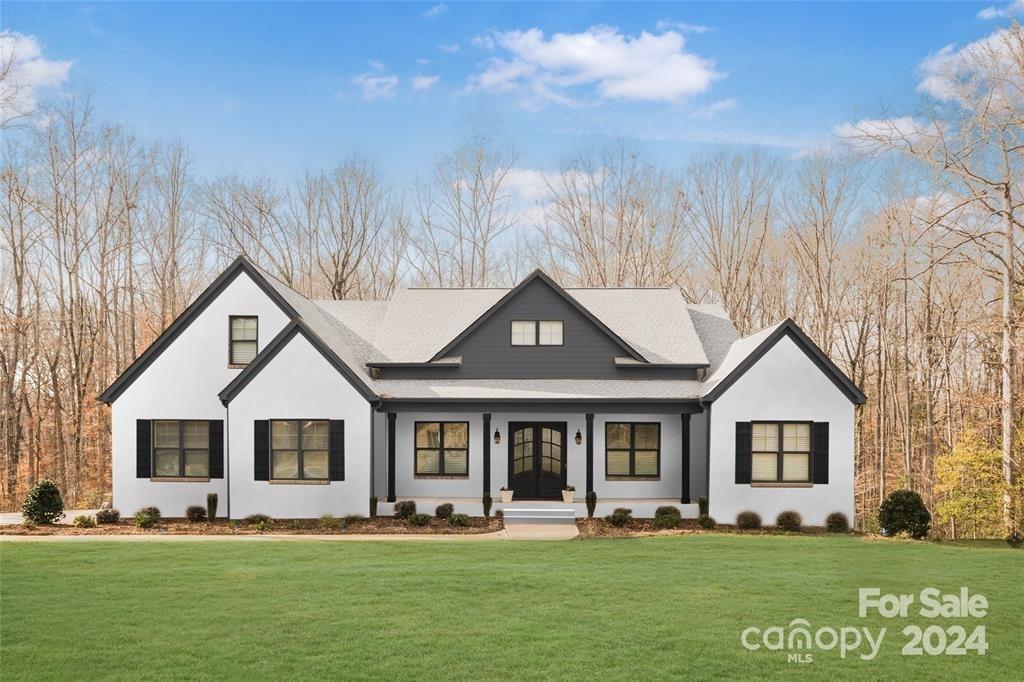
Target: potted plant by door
[[506, 495], [568, 493]]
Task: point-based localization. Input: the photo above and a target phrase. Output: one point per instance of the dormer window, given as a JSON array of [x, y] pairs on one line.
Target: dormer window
[[244, 332], [537, 333]]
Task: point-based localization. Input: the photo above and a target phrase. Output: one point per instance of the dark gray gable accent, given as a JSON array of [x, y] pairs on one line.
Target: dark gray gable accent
[[181, 323], [792, 330], [276, 346], [512, 293]]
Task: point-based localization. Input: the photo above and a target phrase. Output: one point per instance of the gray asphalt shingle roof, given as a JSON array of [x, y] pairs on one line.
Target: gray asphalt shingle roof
[[418, 322]]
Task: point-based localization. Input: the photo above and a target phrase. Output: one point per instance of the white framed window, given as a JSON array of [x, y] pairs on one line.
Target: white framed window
[[524, 333], [550, 333], [780, 452], [244, 332]]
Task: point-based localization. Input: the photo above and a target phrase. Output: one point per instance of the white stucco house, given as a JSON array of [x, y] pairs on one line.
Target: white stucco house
[[298, 408]]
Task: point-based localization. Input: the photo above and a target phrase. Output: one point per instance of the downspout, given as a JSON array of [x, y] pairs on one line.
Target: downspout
[[227, 458], [707, 455]]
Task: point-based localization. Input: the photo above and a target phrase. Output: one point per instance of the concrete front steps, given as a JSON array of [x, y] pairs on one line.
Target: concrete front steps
[[555, 514]]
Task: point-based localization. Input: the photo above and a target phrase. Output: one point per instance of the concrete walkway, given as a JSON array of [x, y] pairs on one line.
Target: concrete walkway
[[514, 532]]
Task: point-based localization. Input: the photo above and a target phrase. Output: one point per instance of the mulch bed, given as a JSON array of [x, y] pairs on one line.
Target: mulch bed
[[601, 528], [377, 526]]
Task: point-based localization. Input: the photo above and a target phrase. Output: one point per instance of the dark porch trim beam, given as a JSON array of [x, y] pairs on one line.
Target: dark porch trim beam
[[391, 456], [685, 495], [487, 453], [590, 452]]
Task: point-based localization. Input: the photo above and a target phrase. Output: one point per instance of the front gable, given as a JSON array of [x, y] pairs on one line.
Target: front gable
[[193, 350], [588, 350]]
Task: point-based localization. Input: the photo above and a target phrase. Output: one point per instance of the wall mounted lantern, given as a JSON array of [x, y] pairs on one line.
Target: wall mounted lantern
[[579, 437], [497, 437]]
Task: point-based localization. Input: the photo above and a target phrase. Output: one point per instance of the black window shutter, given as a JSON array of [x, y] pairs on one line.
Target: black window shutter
[[217, 448], [743, 438], [261, 450], [819, 448], [143, 448], [336, 450]]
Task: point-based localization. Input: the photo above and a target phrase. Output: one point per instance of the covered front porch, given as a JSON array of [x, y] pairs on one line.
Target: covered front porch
[[638, 455]]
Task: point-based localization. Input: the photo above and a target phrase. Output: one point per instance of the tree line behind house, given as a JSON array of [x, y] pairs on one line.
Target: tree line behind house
[[897, 249]]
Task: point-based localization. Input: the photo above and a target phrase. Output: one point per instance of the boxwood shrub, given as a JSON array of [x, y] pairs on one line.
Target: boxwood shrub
[[706, 522], [789, 521], [836, 522], [84, 522], [748, 520], [144, 519], [195, 513], [460, 520], [444, 511], [404, 509], [108, 516], [667, 517], [620, 517], [418, 519]]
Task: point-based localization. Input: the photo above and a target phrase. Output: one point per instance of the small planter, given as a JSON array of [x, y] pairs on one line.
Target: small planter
[[568, 496], [506, 496]]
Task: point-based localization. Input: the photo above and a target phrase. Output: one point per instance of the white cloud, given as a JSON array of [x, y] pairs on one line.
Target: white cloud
[[709, 111], [681, 26], [647, 67], [423, 61], [944, 73], [28, 73], [376, 87], [873, 134], [450, 49], [436, 10], [1002, 12], [423, 83]]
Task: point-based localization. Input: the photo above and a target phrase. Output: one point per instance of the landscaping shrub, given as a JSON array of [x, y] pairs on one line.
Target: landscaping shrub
[[706, 522], [211, 506], [460, 520], [836, 522], [620, 517], [108, 516], [404, 509], [903, 511], [788, 520], [84, 522], [261, 522], [144, 519], [748, 520], [350, 519], [329, 520], [195, 514], [1015, 539], [418, 519], [591, 504], [43, 504], [151, 511], [373, 507], [702, 506], [487, 506], [444, 511], [667, 517]]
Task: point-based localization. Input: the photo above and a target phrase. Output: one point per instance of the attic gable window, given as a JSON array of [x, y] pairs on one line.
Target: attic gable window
[[243, 332], [537, 333]]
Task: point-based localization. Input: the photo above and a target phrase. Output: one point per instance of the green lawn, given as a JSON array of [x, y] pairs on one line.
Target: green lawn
[[599, 609]]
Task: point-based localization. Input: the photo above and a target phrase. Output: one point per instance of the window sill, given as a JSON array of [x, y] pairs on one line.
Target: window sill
[[431, 477], [238, 366], [179, 479], [632, 478], [782, 484], [299, 481]]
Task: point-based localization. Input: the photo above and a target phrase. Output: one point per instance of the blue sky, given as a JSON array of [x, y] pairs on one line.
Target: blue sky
[[278, 88]]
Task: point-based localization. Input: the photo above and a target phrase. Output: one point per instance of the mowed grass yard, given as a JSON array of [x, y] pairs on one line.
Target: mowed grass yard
[[649, 608]]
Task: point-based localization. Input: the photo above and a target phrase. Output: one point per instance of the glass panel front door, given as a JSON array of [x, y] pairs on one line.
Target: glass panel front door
[[537, 460]]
